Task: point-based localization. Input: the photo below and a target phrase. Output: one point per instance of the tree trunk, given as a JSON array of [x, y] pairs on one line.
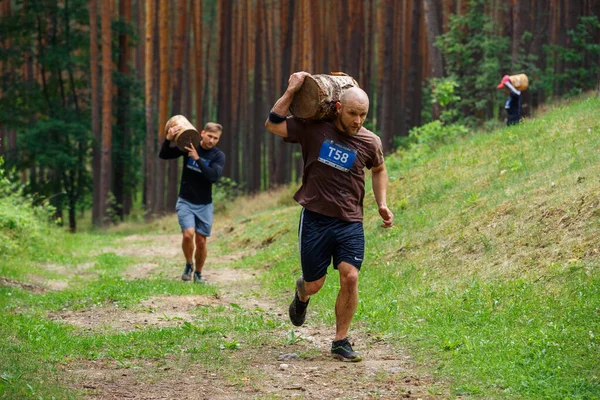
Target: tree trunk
[[367, 79], [177, 93], [95, 111], [107, 69], [413, 88], [224, 80], [520, 13], [399, 67], [335, 56], [539, 29], [122, 143], [273, 52], [150, 151], [187, 82], [434, 29], [163, 98], [387, 112], [355, 39], [255, 181], [140, 56], [245, 116], [378, 81], [287, 20], [307, 63], [199, 57]]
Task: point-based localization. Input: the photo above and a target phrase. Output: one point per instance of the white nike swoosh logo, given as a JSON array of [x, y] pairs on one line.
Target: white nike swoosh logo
[[357, 259]]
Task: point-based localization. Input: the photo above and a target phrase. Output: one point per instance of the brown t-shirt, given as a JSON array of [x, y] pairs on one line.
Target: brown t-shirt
[[333, 182]]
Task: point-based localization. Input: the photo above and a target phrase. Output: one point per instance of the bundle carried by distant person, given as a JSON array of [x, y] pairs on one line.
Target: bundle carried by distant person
[[519, 82]]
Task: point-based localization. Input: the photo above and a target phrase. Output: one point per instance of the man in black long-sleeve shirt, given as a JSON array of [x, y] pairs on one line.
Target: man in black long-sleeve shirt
[[203, 166]]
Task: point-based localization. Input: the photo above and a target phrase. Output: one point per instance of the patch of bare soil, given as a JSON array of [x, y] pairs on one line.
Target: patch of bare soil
[[22, 285], [39, 284], [70, 270], [163, 246], [152, 380], [50, 284], [83, 271], [143, 271], [159, 311], [303, 370], [384, 373]]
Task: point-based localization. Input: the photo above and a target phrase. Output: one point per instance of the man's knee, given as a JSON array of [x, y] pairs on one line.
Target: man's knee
[[188, 234], [200, 240], [314, 286], [348, 275]]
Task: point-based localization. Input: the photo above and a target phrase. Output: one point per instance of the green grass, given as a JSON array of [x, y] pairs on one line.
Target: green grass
[[490, 274], [489, 278]]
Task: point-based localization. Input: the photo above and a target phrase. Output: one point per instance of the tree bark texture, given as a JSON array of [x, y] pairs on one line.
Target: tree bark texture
[[178, 43], [107, 87], [150, 159], [163, 98], [387, 113], [123, 142], [95, 113], [434, 29], [198, 56], [224, 81]]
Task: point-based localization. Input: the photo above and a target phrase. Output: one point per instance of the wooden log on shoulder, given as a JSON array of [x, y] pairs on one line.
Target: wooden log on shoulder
[[187, 135], [318, 94]]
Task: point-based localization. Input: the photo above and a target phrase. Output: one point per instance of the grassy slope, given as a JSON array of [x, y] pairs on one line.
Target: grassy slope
[[490, 276], [491, 273]]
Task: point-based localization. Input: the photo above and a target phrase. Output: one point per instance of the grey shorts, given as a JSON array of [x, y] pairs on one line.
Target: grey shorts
[[198, 216]]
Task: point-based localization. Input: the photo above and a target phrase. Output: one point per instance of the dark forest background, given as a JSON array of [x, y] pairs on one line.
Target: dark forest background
[[86, 86]]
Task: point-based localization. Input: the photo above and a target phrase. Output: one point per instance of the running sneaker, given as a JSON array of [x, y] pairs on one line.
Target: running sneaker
[[298, 308], [198, 278], [187, 272], [342, 350]]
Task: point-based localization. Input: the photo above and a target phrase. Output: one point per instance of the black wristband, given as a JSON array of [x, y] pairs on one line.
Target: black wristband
[[276, 118]]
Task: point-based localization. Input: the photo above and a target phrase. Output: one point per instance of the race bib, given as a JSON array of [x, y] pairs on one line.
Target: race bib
[[337, 155]]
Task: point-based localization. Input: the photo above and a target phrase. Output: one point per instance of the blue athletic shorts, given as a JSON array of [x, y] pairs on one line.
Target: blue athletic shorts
[[322, 238], [198, 216]]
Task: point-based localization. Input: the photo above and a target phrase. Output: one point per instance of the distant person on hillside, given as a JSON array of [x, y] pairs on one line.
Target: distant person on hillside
[[514, 102], [203, 166], [335, 154]]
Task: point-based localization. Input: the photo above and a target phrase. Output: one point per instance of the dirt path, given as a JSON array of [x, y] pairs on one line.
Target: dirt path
[[385, 372]]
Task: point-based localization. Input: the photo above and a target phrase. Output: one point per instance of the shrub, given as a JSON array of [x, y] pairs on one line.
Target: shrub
[[21, 223]]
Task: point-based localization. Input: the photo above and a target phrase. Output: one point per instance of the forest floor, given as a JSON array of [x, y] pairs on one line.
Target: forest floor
[[384, 373]]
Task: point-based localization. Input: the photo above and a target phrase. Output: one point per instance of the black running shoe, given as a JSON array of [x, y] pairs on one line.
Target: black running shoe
[[187, 272], [342, 350], [298, 308], [198, 278]]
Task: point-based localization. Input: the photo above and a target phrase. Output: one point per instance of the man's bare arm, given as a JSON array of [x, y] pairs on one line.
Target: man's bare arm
[[282, 105], [380, 183]]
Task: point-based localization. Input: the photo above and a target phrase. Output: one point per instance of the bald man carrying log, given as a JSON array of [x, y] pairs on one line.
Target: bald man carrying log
[[335, 154]]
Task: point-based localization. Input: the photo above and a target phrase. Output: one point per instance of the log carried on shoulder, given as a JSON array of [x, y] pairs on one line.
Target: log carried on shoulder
[[187, 135], [318, 94]]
